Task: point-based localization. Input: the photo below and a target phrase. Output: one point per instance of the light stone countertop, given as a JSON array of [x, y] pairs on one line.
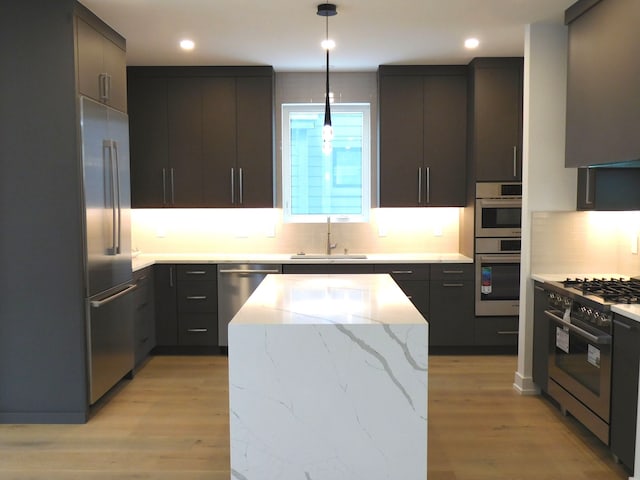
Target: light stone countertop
[[629, 311], [143, 260]]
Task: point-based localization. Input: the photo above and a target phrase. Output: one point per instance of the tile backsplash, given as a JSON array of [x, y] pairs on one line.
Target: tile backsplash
[[584, 242], [397, 230]]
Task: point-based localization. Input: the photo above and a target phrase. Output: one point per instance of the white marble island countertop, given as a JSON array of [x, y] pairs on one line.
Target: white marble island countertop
[[328, 379]]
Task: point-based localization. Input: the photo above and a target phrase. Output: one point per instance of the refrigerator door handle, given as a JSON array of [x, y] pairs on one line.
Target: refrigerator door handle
[[107, 146], [117, 190], [104, 301]]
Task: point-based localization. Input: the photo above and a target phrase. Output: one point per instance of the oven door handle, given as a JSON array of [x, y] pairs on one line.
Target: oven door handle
[[599, 340], [499, 203], [499, 258]]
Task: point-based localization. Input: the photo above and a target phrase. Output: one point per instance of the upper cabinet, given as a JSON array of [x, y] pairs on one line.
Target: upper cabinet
[[496, 119], [102, 71], [201, 136], [423, 128], [603, 105]]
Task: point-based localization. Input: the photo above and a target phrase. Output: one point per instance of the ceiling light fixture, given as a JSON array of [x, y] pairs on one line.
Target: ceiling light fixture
[[327, 10]]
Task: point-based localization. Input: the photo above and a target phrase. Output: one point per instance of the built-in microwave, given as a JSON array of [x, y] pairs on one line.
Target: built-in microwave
[[498, 209]]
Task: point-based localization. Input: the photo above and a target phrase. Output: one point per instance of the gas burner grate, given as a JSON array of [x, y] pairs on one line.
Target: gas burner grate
[[614, 290]]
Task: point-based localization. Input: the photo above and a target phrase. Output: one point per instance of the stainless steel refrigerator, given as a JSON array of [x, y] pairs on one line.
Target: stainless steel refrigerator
[[109, 284]]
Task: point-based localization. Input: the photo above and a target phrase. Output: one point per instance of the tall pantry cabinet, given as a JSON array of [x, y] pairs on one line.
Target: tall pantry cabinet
[[43, 354]]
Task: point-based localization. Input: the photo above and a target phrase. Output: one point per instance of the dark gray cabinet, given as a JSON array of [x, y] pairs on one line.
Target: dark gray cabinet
[[496, 119], [144, 314], [603, 107], [102, 73], [186, 305], [423, 128], [451, 310], [624, 388], [496, 331], [541, 345], [606, 188], [201, 136], [413, 279]]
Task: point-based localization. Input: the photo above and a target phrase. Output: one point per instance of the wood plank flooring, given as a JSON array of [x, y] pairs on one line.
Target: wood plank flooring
[[170, 422]]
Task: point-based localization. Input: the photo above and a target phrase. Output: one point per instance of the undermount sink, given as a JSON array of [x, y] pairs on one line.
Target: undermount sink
[[323, 256]]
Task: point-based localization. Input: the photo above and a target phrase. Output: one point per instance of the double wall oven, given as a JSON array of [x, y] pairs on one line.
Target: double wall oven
[[498, 221]]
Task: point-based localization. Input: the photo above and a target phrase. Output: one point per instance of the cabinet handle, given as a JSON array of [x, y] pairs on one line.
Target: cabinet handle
[[515, 160], [587, 190], [164, 186], [459, 272], [171, 277], [419, 185], [173, 190], [507, 332], [195, 272], [402, 272], [197, 330], [623, 325], [107, 87], [196, 297], [453, 284], [233, 190], [428, 182], [241, 185], [102, 87], [410, 297]]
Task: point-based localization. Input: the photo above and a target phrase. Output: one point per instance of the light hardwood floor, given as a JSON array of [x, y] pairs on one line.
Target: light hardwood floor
[[170, 422]]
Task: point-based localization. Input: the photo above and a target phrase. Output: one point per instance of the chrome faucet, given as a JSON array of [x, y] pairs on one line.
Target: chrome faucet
[[330, 246]]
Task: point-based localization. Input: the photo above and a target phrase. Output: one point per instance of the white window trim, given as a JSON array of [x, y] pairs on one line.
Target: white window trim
[[365, 109]]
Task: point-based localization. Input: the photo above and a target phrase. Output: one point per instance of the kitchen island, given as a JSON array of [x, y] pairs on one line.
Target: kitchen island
[[328, 379]]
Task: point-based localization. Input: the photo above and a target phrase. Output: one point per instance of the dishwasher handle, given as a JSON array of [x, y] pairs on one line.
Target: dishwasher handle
[[100, 303]]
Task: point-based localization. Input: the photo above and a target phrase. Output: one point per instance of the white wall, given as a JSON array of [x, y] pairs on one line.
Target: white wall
[[547, 185]]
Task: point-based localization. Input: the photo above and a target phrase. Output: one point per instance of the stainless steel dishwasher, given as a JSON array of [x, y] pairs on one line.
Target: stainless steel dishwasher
[[236, 282]]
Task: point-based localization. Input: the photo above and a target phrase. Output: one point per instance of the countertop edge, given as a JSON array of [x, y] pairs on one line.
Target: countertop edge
[[631, 312]]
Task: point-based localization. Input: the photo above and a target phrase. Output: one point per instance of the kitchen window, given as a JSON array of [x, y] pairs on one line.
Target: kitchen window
[[318, 184]]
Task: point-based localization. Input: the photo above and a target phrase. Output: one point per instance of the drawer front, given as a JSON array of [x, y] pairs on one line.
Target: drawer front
[[418, 293], [404, 271], [496, 331], [198, 329], [448, 271], [197, 273], [197, 297]]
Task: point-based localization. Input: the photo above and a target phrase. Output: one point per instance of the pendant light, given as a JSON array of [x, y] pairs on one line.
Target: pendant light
[[327, 10]]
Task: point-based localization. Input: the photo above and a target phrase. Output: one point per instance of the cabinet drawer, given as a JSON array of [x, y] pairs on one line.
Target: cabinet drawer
[[450, 271], [404, 271], [198, 329], [496, 331], [197, 273], [197, 297]]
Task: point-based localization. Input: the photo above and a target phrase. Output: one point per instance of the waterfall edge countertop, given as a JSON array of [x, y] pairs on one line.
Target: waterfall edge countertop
[[328, 379], [147, 259]]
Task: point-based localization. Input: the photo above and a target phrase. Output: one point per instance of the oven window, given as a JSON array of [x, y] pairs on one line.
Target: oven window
[[578, 359], [499, 281], [501, 217]]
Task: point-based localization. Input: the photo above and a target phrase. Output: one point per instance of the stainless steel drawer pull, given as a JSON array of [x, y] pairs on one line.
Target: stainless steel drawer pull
[[402, 272], [195, 272], [197, 330], [453, 284], [623, 325], [197, 297], [515, 160], [409, 297], [507, 332], [450, 272]]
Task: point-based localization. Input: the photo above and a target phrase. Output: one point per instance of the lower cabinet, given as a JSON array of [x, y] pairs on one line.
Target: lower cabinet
[[186, 305], [413, 279], [496, 331], [624, 388], [144, 315], [324, 268], [451, 312]]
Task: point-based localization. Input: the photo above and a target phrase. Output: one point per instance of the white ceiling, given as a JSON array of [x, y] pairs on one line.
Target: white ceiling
[[287, 33]]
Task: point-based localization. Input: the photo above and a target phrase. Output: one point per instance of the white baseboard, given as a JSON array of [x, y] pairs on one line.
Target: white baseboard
[[525, 386]]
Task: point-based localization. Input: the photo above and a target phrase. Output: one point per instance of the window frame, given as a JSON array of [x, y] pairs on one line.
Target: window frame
[[352, 107]]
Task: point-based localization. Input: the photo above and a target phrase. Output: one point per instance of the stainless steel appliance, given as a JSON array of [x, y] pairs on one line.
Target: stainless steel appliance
[[497, 283], [236, 283], [109, 282], [580, 339], [498, 210]]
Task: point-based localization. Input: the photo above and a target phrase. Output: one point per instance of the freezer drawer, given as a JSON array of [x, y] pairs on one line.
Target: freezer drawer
[[111, 343]]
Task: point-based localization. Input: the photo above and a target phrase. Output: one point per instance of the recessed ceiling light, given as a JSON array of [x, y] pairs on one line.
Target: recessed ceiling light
[[471, 43], [187, 44]]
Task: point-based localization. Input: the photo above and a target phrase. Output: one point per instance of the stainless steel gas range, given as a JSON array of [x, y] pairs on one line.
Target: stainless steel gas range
[[580, 338]]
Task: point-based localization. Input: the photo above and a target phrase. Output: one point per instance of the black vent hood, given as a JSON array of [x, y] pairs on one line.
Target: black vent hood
[[612, 187]]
